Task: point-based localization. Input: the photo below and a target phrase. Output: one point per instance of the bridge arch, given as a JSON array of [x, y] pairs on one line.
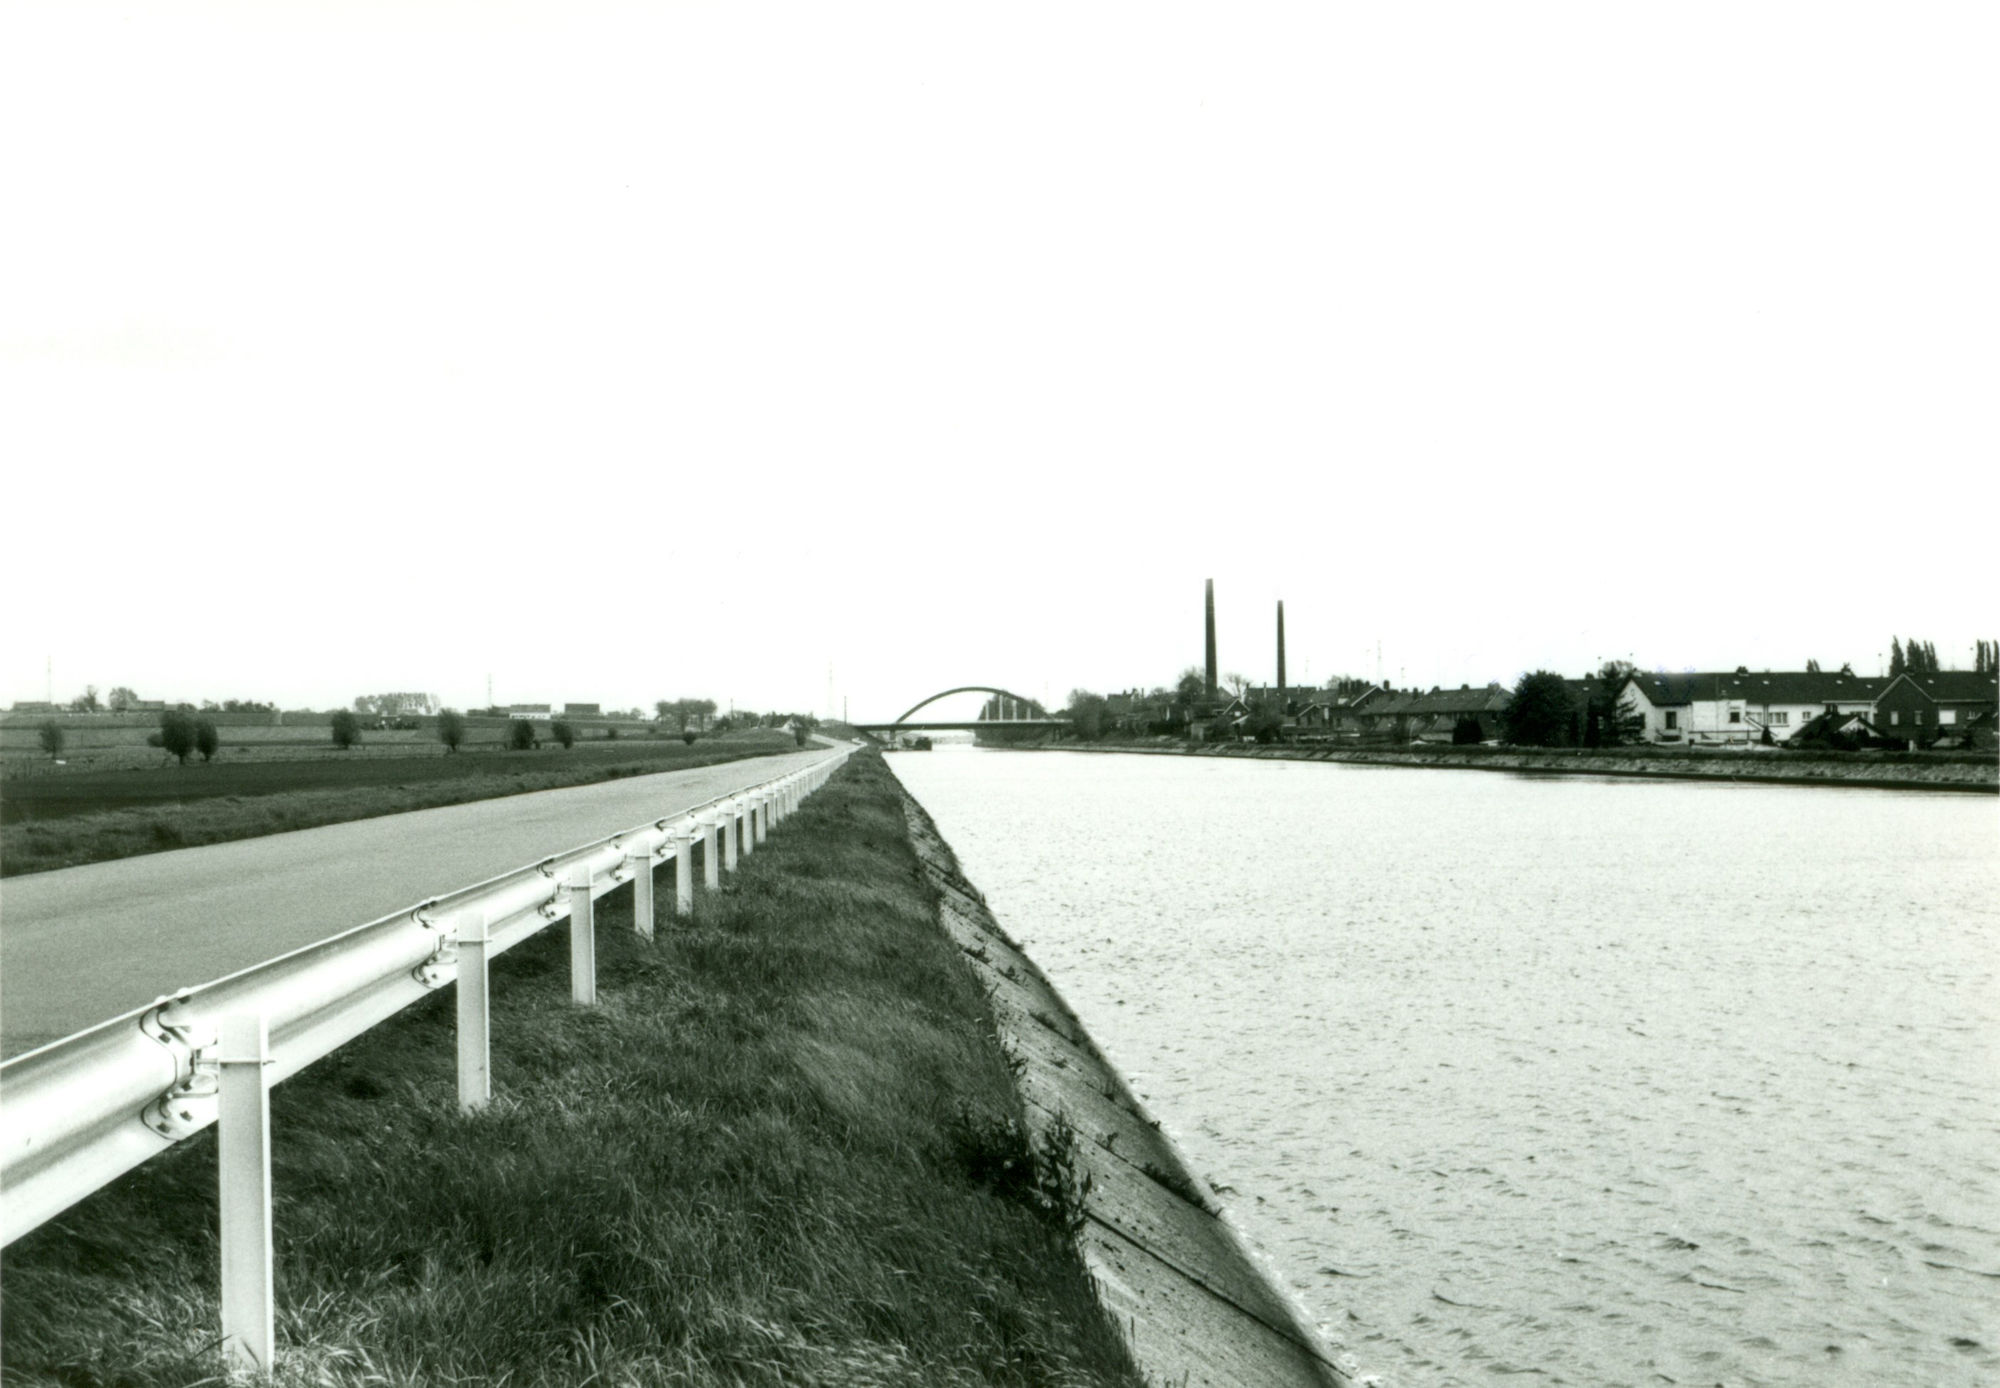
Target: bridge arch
[[904, 717]]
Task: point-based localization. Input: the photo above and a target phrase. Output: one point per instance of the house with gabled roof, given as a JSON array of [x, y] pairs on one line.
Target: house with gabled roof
[[1435, 716], [1937, 706]]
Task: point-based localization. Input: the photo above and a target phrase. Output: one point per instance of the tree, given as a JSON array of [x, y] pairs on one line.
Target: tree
[[1539, 714], [1812, 666], [51, 734], [563, 732], [1266, 724], [346, 729], [120, 699], [1897, 664], [1615, 721], [451, 729], [177, 733], [86, 702], [1086, 714], [521, 736], [207, 740], [1466, 731]]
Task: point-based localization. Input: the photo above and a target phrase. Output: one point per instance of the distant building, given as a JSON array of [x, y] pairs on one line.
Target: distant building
[[583, 711], [528, 711], [1945, 705], [35, 706]]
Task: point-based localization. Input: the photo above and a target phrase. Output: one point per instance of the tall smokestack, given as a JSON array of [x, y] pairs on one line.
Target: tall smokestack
[[1210, 686], [1281, 651]]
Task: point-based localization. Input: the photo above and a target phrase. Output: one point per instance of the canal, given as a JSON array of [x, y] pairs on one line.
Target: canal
[[1597, 1081]]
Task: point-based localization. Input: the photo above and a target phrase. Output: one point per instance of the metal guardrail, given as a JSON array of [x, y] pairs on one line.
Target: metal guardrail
[[77, 1113]]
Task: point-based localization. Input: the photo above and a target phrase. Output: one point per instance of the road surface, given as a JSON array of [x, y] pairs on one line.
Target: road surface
[[81, 945]]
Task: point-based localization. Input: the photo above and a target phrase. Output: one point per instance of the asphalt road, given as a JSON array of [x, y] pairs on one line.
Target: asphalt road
[[81, 945]]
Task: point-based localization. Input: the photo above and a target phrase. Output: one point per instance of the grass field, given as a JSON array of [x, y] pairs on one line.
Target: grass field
[[784, 1149], [90, 816]]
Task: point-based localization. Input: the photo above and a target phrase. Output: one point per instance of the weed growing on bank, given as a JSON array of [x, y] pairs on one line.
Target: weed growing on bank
[[784, 1149]]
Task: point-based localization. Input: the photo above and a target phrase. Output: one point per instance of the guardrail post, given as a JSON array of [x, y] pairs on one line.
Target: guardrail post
[[684, 870], [582, 941], [760, 816], [642, 895], [475, 1045], [243, 1171], [732, 848], [711, 855]]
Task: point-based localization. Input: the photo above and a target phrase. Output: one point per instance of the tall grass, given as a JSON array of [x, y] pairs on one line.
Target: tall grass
[[784, 1149]]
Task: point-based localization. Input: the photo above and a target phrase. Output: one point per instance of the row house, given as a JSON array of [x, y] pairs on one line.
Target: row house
[[1434, 717], [1737, 709]]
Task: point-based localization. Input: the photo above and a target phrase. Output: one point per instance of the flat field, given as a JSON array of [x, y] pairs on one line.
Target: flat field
[[85, 816]]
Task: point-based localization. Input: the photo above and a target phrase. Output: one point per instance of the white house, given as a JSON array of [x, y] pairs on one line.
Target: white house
[[1736, 709]]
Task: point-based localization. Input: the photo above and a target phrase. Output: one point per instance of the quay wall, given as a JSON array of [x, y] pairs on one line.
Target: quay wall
[[1778, 768], [1194, 1303]]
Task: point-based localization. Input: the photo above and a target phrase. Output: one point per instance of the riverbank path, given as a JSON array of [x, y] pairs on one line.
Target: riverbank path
[[82, 945]]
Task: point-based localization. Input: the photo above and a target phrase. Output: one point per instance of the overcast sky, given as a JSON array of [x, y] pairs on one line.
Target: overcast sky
[[790, 353]]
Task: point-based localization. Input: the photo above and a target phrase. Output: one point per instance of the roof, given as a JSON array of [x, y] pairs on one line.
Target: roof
[[1462, 701], [1952, 686], [1763, 687]]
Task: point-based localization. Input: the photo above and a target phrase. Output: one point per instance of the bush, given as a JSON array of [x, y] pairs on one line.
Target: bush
[[521, 735], [346, 730], [1465, 732], [562, 732], [206, 739], [51, 734], [688, 737], [177, 733], [451, 729], [611, 734]]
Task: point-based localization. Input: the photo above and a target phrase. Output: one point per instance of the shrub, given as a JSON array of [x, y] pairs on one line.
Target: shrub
[[1465, 731], [688, 737], [521, 735], [51, 734], [611, 734], [451, 729], [346, 730], [206, 739], [562, 732], [177, 733]]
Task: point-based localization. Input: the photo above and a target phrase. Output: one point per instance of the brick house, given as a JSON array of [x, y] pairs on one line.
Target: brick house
[[1942, 706]]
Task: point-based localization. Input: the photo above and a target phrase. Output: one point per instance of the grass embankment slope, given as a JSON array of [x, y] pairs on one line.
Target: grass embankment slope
[[783, 1149], [91, 816]]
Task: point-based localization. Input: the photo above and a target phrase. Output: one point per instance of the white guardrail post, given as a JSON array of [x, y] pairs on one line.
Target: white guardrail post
[[80, 1112], [582, 941], [684, 871], [642, 894], [732, 844], [475, 1021], [243, 1171]]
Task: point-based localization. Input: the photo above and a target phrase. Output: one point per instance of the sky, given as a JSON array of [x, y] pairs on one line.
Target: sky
[[823, 357]]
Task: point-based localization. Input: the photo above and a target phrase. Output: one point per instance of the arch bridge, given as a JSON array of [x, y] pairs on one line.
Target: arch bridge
[[1013, 711]]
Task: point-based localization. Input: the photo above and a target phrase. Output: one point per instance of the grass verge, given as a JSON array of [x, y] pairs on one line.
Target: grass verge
[[96, 816], [784, 1149]]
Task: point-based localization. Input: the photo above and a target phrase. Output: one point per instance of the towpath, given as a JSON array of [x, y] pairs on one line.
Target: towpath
[[81, 945]]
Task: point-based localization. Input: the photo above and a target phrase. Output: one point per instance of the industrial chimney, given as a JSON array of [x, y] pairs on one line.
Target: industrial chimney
[[1209, 688], [1281, 654]]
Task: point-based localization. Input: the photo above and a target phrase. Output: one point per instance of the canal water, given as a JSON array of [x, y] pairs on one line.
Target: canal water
[[1595, 1081]]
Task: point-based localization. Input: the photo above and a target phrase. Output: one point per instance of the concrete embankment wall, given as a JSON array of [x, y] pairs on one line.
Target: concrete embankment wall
[[1774, 768], [1194, 1304]]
